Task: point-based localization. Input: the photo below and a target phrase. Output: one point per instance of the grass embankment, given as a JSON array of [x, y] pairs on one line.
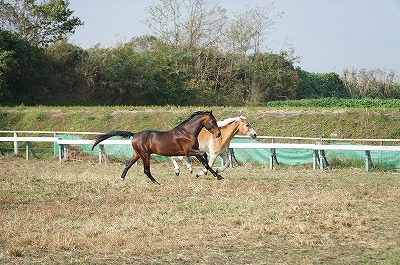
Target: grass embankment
[[285, 121], [81, 214]]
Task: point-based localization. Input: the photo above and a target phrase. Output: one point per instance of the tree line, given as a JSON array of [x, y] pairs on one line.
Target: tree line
[[195, 56]]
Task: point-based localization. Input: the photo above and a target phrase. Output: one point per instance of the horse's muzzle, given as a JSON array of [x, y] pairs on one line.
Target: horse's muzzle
[[252, 133]]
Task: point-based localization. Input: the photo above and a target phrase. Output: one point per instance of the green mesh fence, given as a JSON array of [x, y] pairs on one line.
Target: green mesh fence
[[385, 159], [290, 157], [113, 151]]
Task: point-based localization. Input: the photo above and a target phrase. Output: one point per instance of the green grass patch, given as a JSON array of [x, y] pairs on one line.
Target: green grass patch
[[276, 121]]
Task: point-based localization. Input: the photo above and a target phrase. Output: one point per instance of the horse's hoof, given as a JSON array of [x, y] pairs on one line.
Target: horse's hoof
[[122, 179], [177, 173]]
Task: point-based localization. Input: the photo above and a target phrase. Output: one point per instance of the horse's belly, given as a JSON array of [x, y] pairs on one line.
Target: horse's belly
[[169, 152], [169, 149]]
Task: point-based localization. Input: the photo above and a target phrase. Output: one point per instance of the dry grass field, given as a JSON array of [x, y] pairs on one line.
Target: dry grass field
[[80, 213]]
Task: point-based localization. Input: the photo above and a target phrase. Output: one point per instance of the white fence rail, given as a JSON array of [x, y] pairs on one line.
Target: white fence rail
[[63, 146], [28, 141], [16, 138]]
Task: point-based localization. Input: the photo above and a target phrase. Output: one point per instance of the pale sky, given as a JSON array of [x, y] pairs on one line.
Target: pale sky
[[328, 35]]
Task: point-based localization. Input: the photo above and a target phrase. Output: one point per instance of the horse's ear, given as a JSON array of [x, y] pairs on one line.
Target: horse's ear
[[210, 112]]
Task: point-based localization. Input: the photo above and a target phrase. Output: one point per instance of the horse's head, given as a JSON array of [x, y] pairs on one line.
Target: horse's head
[[211, 124], [245, 127]]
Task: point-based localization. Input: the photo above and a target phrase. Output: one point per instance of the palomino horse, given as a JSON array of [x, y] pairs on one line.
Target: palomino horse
[[180, 141], [218, 147]]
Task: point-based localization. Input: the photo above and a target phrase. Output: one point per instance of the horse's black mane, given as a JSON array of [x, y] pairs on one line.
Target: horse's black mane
[[201, 112]]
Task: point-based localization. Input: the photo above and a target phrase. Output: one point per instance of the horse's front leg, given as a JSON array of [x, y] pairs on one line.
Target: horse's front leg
[[202, 157], [213, 157]]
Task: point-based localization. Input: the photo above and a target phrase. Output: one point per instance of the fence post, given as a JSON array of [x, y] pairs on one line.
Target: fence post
[[55, 146], [15, 145], [60, 150], [272, 159], [65, 151], [368, 160], [230, 156], [320, 155], [27, 150], [101, 147], [315, 156]]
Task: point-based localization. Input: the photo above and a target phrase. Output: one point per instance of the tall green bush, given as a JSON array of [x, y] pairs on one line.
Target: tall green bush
[[317, 85]]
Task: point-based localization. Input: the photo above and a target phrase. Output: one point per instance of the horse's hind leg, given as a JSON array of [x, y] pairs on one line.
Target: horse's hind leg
[[225, 158], [186, 161], [129, 165], [146, 165], [176, 166]]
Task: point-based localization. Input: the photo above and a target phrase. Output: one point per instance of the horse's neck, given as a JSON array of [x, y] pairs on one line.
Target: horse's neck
[[194, 127], [229, 131]]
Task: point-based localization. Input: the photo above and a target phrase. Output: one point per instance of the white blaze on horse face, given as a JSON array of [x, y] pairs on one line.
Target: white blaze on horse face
[[246, 129]]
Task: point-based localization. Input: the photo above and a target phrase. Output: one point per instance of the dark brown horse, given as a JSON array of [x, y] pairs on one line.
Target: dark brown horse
[[180, 141]]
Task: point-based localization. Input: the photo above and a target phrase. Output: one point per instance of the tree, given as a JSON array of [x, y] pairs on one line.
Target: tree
[[165, 20], [377, 83], [21, 70], [205, 23], [65, 82], [6, 67], [248, 31], [39, 23], [143, 71], [188, 23]]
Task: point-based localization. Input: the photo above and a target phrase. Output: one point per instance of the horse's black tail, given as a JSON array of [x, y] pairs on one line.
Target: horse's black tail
[[123, 134]]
